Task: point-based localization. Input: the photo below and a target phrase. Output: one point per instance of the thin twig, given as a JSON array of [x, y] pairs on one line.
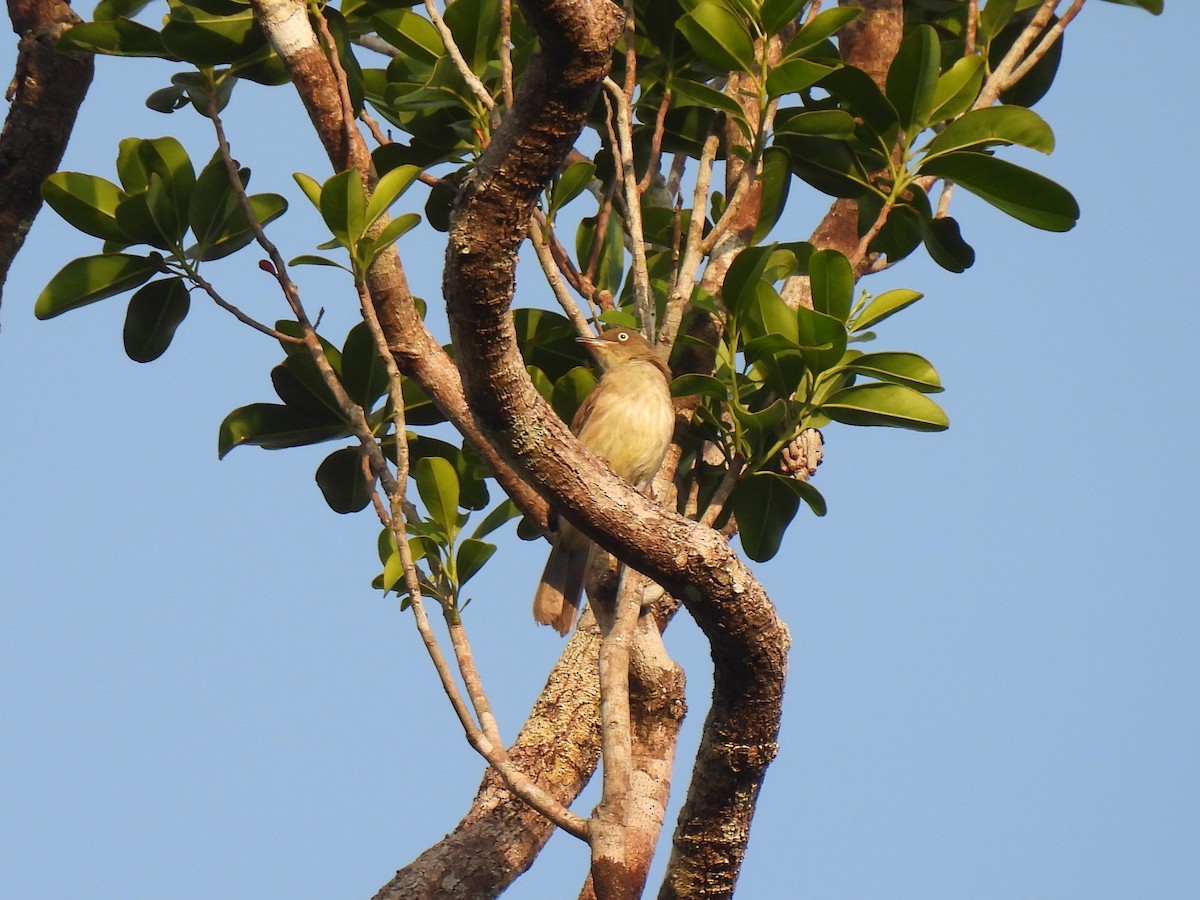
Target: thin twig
[[656, 142], [1001, 78], [506, 70], [643, 302], [1052, 34], [545, 257], [242, 317]]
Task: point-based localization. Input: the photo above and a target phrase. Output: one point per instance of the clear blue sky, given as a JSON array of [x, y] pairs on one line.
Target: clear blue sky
[[994, 681]]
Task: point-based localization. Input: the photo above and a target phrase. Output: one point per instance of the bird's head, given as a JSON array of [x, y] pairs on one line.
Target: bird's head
[[618, 345]]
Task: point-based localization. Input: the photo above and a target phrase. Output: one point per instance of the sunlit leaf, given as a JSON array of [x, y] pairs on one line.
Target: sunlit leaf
[[90, 278], [892, 405]]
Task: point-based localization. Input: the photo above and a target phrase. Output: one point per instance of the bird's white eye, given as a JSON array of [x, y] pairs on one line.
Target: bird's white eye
[[622, 336]]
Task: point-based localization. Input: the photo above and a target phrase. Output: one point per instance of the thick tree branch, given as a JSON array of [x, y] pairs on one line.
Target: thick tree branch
[[46, 91], [749, 643]]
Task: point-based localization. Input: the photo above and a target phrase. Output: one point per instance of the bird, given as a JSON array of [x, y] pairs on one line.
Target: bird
[[627, 421]]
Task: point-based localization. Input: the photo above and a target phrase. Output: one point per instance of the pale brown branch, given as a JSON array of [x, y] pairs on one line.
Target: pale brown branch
[[643, 302], [539, 237], [1002, 78]]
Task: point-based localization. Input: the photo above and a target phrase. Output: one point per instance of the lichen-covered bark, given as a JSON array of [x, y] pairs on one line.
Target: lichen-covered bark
[[46, 91]]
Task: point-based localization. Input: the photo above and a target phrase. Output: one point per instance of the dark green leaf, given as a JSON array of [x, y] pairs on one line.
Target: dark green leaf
[[901, 368], [764, 507], [778, 14], [472, 556], [211, 32], [912, 78], [776, 182], [1034, 85], [832, 283], [238, 232], [719, 35], [1024, 195], [119, 37], [343, 206], [794, 76], [91, 278], [86, 202], [822, 339], [826, 164], [827, 122], [1151, 6], [825, 25], [364, 373], [703, 385], [570, 391], [475, 25], [573, 182], [342, 482], [155, 311], [892, 405], [272, 427], [505, 511], [944, 242]]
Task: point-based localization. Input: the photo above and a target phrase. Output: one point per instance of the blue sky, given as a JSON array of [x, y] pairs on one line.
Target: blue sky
[[994, 680]]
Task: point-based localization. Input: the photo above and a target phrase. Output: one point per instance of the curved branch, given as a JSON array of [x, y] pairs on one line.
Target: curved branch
[[749, 643]]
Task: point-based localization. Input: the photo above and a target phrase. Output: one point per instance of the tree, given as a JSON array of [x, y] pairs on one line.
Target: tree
[[758, 366]]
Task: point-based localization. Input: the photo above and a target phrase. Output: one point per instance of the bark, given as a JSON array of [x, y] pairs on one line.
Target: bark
[[749, 643], [500, 836], [46, 92], [868, 43]]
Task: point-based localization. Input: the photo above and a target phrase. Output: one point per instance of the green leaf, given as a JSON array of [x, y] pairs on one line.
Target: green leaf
[[900, 368], [892, 405], [238, 232], [140, 158], [769, 314], [993, 125], [342, 482], [343, 206], [570, 391], [209, 33], [272, 427], [310, 186], [957, 88], [778, 14], [1024, 195], [764, 507], [505, 511], [1151, 6], [822, 339], [944, 242], [794, 76], [396, 229], [475, 25], [364, 373], [90, 278], [832, 280], [86, 202], [881, 307], [155, 311], [826, 164], [119, 37], [412, 34], [739, 288], [824, 26], [912, 78], [437, 483], [994, 16], [828, 122], [691, 93], [719, 35], [776, 183], [570, 184], [693, 384], [472, 556], [1038, 80], [389, 188]]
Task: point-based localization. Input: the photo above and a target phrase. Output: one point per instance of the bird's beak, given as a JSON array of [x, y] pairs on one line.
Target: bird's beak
[[590, 341]]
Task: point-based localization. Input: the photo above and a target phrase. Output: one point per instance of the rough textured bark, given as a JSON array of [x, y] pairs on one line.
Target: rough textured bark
[[749, 643], [46, 92], [500, 836], [868, 43]]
